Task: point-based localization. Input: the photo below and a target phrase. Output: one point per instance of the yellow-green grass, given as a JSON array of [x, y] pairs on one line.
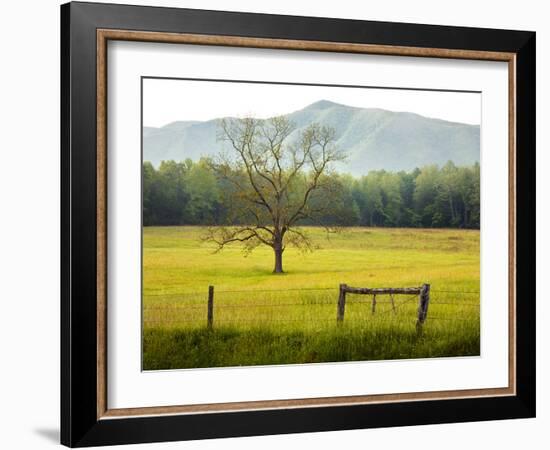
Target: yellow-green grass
[[262, 318]]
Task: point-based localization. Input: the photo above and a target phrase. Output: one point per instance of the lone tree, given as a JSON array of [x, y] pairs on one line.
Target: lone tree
[[272, 183]]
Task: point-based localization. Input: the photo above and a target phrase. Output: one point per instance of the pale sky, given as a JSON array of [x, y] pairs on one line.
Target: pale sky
[[166, 101]]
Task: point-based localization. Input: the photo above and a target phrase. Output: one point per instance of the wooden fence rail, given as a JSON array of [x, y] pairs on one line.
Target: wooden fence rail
[[423, 292]]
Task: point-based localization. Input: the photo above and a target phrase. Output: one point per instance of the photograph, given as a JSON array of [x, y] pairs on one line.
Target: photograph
[[287, 223]]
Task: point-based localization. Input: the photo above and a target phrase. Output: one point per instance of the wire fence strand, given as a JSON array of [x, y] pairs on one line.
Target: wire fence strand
[[196, 308], [253, 291]]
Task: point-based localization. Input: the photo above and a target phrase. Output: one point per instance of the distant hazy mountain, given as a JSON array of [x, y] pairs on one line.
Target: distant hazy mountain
[[372, 138]]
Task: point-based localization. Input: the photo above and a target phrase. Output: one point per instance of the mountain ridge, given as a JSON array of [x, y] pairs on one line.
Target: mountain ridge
[[373, 138]]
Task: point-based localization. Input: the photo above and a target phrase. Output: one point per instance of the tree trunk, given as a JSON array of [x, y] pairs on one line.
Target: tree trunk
[[451, 205], [278, 250]]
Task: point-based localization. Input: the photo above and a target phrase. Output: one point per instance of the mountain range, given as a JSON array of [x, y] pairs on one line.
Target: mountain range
[[372, 138]]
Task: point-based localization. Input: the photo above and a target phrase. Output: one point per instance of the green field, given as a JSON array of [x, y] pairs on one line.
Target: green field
[[262, 318]]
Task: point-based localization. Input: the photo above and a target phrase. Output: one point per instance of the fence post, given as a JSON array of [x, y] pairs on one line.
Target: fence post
[[392, 302], [373, 303], [341, 303], [423, 303], [210, 317]]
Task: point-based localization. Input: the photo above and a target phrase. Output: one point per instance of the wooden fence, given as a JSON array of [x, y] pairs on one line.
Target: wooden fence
[[423, 293]]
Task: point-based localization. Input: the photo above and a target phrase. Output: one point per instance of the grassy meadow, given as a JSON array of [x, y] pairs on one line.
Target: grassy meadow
[[261, 318]]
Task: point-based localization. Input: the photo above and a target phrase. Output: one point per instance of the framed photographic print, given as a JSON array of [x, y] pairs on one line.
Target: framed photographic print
[[277, 224]]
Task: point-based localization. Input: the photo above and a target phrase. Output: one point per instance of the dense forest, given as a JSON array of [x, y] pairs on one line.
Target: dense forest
[[189, 193]]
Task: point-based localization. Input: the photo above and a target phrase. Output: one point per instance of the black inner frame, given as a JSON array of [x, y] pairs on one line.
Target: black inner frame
[[79, 423]]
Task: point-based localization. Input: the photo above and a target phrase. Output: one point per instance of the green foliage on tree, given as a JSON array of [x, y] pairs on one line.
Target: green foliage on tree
[[191, 193]]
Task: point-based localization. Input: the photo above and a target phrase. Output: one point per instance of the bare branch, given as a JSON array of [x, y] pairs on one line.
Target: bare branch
[[274, 180]]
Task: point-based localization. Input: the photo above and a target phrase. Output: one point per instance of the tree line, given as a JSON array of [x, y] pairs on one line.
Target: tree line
[[191, 193]]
